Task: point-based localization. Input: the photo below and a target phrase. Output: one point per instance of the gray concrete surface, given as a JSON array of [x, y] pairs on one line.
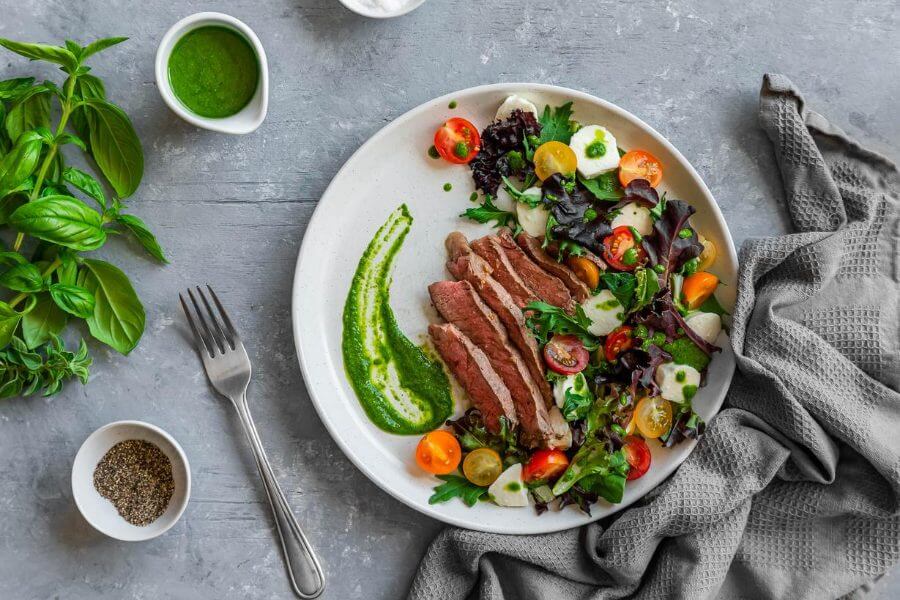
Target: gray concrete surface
[[232, 211]]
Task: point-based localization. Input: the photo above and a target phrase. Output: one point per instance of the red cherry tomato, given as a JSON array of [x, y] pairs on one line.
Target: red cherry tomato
[[566, 355], [637, 453], [545, 465], [618, 341], [457, 141], [621, 251]]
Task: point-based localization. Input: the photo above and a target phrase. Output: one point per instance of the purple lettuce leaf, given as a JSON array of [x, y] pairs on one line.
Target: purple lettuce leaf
[[569, 205], [665, 246], [640, 192], [497, 139]]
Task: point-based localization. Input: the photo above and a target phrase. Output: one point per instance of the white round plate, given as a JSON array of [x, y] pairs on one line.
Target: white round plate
[[393, 167]]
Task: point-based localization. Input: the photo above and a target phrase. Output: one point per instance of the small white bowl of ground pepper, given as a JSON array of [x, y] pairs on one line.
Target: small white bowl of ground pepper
[[131, 480]]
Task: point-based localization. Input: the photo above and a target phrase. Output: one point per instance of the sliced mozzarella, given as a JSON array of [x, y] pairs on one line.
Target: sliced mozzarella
[[532, 220], [674, 380], [706, 325], [587, 143], [512, 103], [503, 200], [605, 312], [634, 215], [509, 489], [576, 383], [562, 433]]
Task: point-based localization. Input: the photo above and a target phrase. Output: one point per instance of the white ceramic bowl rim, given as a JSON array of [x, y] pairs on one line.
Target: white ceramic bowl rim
[[249, 118], [80, 471], [376, 14]]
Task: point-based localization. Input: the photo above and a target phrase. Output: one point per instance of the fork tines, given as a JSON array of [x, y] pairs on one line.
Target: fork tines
[[216, 334]]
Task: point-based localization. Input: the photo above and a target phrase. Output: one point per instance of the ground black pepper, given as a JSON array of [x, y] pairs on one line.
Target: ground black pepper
[[136, 476]]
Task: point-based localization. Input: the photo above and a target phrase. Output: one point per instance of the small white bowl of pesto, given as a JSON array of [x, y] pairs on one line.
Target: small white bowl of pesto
[[211, 70]]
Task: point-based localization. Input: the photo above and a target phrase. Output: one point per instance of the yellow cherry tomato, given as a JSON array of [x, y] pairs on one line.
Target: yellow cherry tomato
[[554, 157], [708, 256], [482, 466], [653, 417], [438, 452]]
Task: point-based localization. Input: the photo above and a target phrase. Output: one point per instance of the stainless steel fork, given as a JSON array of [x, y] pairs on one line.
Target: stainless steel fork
[[228, 368]]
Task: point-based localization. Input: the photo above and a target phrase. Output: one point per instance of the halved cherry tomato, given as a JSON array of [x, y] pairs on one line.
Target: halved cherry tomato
[[639, 164], [438, 452], [697, 288], [621, 251], [585, 269], [554, 157], [637, 453], [457, 141], [708, 256], [653, 416], [545, 465], [619, 340], [566, 354], [482, 466]]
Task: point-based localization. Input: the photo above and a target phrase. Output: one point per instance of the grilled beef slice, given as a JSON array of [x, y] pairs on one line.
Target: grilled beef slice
[[489, 249], [474, 372], [458, 303], [532, 247], [464, 264]]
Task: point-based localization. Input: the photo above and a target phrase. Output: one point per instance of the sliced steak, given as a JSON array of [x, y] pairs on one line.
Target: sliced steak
[[532, 247], [459, 304], [502, 270], [465, 265], [474, 372], [544, 285]]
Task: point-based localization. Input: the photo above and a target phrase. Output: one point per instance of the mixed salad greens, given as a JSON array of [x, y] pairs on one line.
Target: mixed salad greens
[[626, 363]]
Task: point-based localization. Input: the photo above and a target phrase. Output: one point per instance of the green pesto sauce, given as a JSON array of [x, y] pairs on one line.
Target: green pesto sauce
[[213, 71], [448, 187], [513, 486], [453, 104], [595, 149], [401, 389], [433, 153]]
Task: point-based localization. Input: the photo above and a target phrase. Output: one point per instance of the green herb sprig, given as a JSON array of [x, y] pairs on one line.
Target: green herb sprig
[[56, 212]]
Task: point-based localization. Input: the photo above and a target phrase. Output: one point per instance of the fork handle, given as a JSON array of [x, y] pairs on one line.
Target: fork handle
[[303, 568]]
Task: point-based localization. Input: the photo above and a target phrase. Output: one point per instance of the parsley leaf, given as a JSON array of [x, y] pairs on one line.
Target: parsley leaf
[[547, 320], [604, 187], [455, 486], [555, 124], [487, 211], [531, 199]]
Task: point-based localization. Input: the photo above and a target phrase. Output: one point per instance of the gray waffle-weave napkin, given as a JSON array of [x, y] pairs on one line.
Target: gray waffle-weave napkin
[[794, 490]]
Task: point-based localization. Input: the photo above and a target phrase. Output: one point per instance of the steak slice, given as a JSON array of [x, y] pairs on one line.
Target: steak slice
[[474, 372], [459, 304], [502, 270], [544, 285], [465, 265], [532, 247]]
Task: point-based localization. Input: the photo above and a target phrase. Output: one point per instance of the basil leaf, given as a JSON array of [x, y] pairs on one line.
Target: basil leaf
[[61, 220], [646, 288], [73, 299], [604, 187], [16, 166], [622, 286], [9, 320], [30, 111], [118, 318], [11, 89], [86, 183], [70, 138], [86, 87], [44, 321], [457, 487], [115, 146], [24, 277], [143, 235], [100, 45], [54, 54]]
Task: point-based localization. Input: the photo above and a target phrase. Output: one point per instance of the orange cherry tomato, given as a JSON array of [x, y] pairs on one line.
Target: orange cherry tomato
[[618, 341], [438, 452], [585, 269], [653, 416], [545, 465], [697, 288], [637, 453], [554, 157], [457, 141], [621, 251], [639, 164]]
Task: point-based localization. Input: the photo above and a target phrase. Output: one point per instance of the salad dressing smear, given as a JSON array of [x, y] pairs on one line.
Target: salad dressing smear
[[402, 390]]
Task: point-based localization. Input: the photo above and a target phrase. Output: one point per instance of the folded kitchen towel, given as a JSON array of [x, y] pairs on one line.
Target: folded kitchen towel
[[794, 490]]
